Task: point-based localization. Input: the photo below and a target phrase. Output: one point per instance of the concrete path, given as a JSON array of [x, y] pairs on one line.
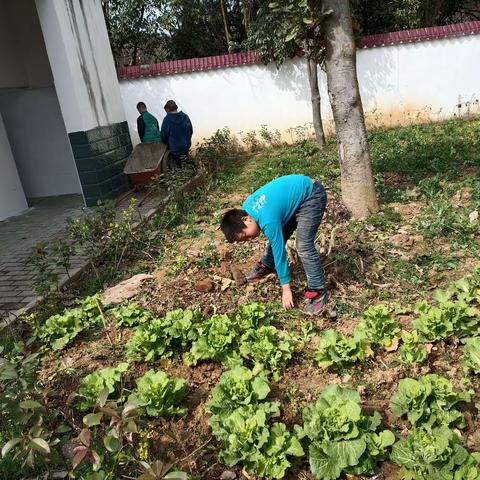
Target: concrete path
[[45, 221]]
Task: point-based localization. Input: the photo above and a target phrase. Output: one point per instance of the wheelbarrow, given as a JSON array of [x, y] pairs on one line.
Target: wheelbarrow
[[147, 160]]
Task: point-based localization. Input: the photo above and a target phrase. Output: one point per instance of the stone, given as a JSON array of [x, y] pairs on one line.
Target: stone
[[228, 475], [238, 275], [206, 285], [125, 290]]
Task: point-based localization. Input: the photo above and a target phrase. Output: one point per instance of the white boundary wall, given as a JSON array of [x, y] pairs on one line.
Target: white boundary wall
[[408, 83]]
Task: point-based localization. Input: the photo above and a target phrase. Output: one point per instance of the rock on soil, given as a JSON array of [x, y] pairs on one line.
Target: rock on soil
[[205, 285], [124, 290]]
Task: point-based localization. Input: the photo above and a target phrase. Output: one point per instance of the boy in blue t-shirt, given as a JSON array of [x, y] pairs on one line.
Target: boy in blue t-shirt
[[286, 204]]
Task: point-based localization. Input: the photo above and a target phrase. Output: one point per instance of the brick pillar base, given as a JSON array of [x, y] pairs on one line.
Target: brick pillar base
[[100, 155]]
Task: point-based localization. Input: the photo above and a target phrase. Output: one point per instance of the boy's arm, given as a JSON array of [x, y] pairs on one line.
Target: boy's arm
[[164, 131], [140, 127], [189, 122], [274, 232]]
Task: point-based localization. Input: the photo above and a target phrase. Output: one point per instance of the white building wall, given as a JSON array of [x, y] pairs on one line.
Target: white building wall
[[399, 84], [81, 60], [12, 198], [39, 142]]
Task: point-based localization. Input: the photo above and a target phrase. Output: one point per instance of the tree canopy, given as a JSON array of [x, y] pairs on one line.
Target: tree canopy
[[146, 31]]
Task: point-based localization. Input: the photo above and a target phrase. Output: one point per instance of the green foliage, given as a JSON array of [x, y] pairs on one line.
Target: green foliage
[[36, 439], [338, 351], [158, 395], [378, 325], [267, 346], [237, 387], [95, 383], [241, 421], [59, 330], [130, 315], [159, 336], [410, 351], [215, 338], [251, 315], [149, 341], [426, 454], [448, 318], [429, 401], [342, 440], [471, 355]]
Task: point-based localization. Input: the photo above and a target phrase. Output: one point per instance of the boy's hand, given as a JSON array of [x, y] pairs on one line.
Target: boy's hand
[[287, 298]]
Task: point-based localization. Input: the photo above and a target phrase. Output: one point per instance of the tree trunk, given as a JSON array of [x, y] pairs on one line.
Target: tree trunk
[[316, 105], [225, 24], [358, 188]]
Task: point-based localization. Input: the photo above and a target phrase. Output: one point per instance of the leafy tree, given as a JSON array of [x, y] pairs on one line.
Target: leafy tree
[[281, 29]]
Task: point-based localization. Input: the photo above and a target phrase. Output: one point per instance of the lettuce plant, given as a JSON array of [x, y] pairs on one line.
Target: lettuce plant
[[342, 440], [149, 341], [338, 351], [238, 387], [471, 355], [410, 351], [130, 315], [378, 325], [442, 321], [267, 346], [240, 419], [59, 330], [427, 454], [181, 326], [429, 401], [214, 340], [93, 384], [158, 394], [251, 315]]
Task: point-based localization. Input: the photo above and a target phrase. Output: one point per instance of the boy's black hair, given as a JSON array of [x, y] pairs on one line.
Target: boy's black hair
[[171, 106], [141, 104], [232, 223]]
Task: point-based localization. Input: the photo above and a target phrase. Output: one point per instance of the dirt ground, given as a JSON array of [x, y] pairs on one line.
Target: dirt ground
[[356, 259]]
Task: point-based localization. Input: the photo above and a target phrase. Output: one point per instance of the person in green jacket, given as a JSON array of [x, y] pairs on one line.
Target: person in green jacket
[[147, 125]]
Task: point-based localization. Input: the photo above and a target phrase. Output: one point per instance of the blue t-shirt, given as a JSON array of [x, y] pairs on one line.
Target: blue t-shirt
[[272, 206]]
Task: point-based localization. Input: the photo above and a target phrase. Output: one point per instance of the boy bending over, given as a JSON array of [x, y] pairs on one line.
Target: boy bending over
[[277, 209]]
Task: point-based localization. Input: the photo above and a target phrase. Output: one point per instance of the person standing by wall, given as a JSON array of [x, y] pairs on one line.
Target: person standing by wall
[[177, 132], [147, 125]]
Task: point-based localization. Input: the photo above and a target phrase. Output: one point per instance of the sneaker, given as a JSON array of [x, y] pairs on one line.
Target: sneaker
[[316, 301], [258, 272]]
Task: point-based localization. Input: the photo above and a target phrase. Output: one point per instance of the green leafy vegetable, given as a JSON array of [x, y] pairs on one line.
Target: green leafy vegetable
[[130, 315], [429, 401], [251, 315], [214, 340], [93, 384], [267, 346], [438, 322], [149, 341], [437, 453], [471, 355], [341, 438], [59, 330], [241, 421], [338, 351], [159, 395], [410, 351], [378, 325]]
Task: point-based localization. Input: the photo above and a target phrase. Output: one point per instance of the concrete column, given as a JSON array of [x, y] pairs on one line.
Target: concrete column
[[88, 92], [12, 198]]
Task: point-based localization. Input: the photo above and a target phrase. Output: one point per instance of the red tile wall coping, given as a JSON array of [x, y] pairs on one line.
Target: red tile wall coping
[[251, 58]]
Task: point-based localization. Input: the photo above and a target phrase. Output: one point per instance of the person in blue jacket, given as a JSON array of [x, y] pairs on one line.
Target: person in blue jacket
[[286, 204], [176, 132]]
